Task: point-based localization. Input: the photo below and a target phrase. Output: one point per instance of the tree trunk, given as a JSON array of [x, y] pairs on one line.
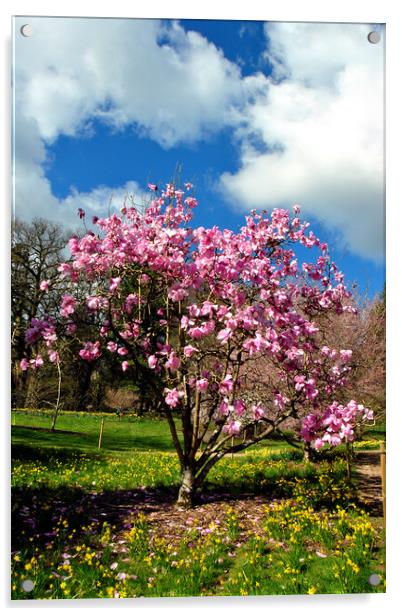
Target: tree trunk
[[308, 453], [185, 497]]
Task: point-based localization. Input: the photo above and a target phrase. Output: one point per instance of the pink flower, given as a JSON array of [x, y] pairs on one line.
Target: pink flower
[[227, 384], [281, 401], [122, 351], [114, 283], [124, 366], [152, 361], [318, 443], [300, 382], [111, 346], [68, 305], [81, 213], [24, 364], [255, 345], [44, 285], [96, 302], [224, 335], [37, 362], [258, 412], [239, 407], [202, 384], [172, 397], [177, 293], [345, 356], [173, 362], [54, 357], [223, 407], [232, 427], [189, 350], [91, 351]]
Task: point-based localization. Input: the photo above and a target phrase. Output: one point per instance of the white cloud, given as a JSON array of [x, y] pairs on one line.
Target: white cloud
[[311, 133], [320, 122], [173, 84]]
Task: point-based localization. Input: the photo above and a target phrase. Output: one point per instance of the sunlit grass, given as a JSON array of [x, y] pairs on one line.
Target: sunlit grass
[[310, 538]]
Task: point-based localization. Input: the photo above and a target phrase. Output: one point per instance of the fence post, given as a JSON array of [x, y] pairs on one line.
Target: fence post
[[348, 462], [101, 433], [383, 479]]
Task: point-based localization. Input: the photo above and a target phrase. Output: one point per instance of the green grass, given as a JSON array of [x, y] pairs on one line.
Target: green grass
[[118, 434], [72, 537], [295, 551]]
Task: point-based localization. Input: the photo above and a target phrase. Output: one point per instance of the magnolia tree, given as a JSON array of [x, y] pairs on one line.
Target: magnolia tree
[[189, 310]]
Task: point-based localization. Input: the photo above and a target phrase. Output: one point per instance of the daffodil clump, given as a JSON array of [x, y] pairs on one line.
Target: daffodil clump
[[294, 549]]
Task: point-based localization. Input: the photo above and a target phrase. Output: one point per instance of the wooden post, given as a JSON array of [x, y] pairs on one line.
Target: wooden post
[[101, 434], [232, 446], [383, 479], [348, 462]]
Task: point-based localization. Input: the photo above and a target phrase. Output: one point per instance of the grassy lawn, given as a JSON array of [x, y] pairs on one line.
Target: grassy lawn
[[90, 523], [118, 434]]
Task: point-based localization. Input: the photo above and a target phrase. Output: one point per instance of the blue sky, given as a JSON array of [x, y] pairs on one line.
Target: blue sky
[[253, 114]]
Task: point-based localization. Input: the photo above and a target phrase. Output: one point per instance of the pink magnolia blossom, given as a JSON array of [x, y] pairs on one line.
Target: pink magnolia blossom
[[68, 305], [173, 362], [258, 411], [345, 355], [95, 303], [44, 285], [239, 407], [91, 351], [227, 384], [202, 384], [24, 363], [232, 427], [54, 357], [172, 397], [189, 350], [114, 283], [152, 361], [125, 366]]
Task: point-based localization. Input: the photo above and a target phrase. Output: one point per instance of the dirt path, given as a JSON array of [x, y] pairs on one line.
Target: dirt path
[[367, 475]]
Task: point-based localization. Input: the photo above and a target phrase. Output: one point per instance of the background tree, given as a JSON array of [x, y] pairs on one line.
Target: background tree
[[36, 251]]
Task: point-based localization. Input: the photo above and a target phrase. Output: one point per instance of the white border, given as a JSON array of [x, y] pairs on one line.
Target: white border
[[367, 11]]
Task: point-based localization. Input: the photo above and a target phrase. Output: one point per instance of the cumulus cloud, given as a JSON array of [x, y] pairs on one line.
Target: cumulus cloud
[[310, 132], [170, 85], [174, 85], [315, 134]]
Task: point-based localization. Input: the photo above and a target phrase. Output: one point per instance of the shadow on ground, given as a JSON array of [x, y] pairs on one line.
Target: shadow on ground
[[367, 478], [38, 512]]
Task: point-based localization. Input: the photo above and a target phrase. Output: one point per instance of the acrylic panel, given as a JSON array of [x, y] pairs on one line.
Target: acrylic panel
[[198, 308]]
